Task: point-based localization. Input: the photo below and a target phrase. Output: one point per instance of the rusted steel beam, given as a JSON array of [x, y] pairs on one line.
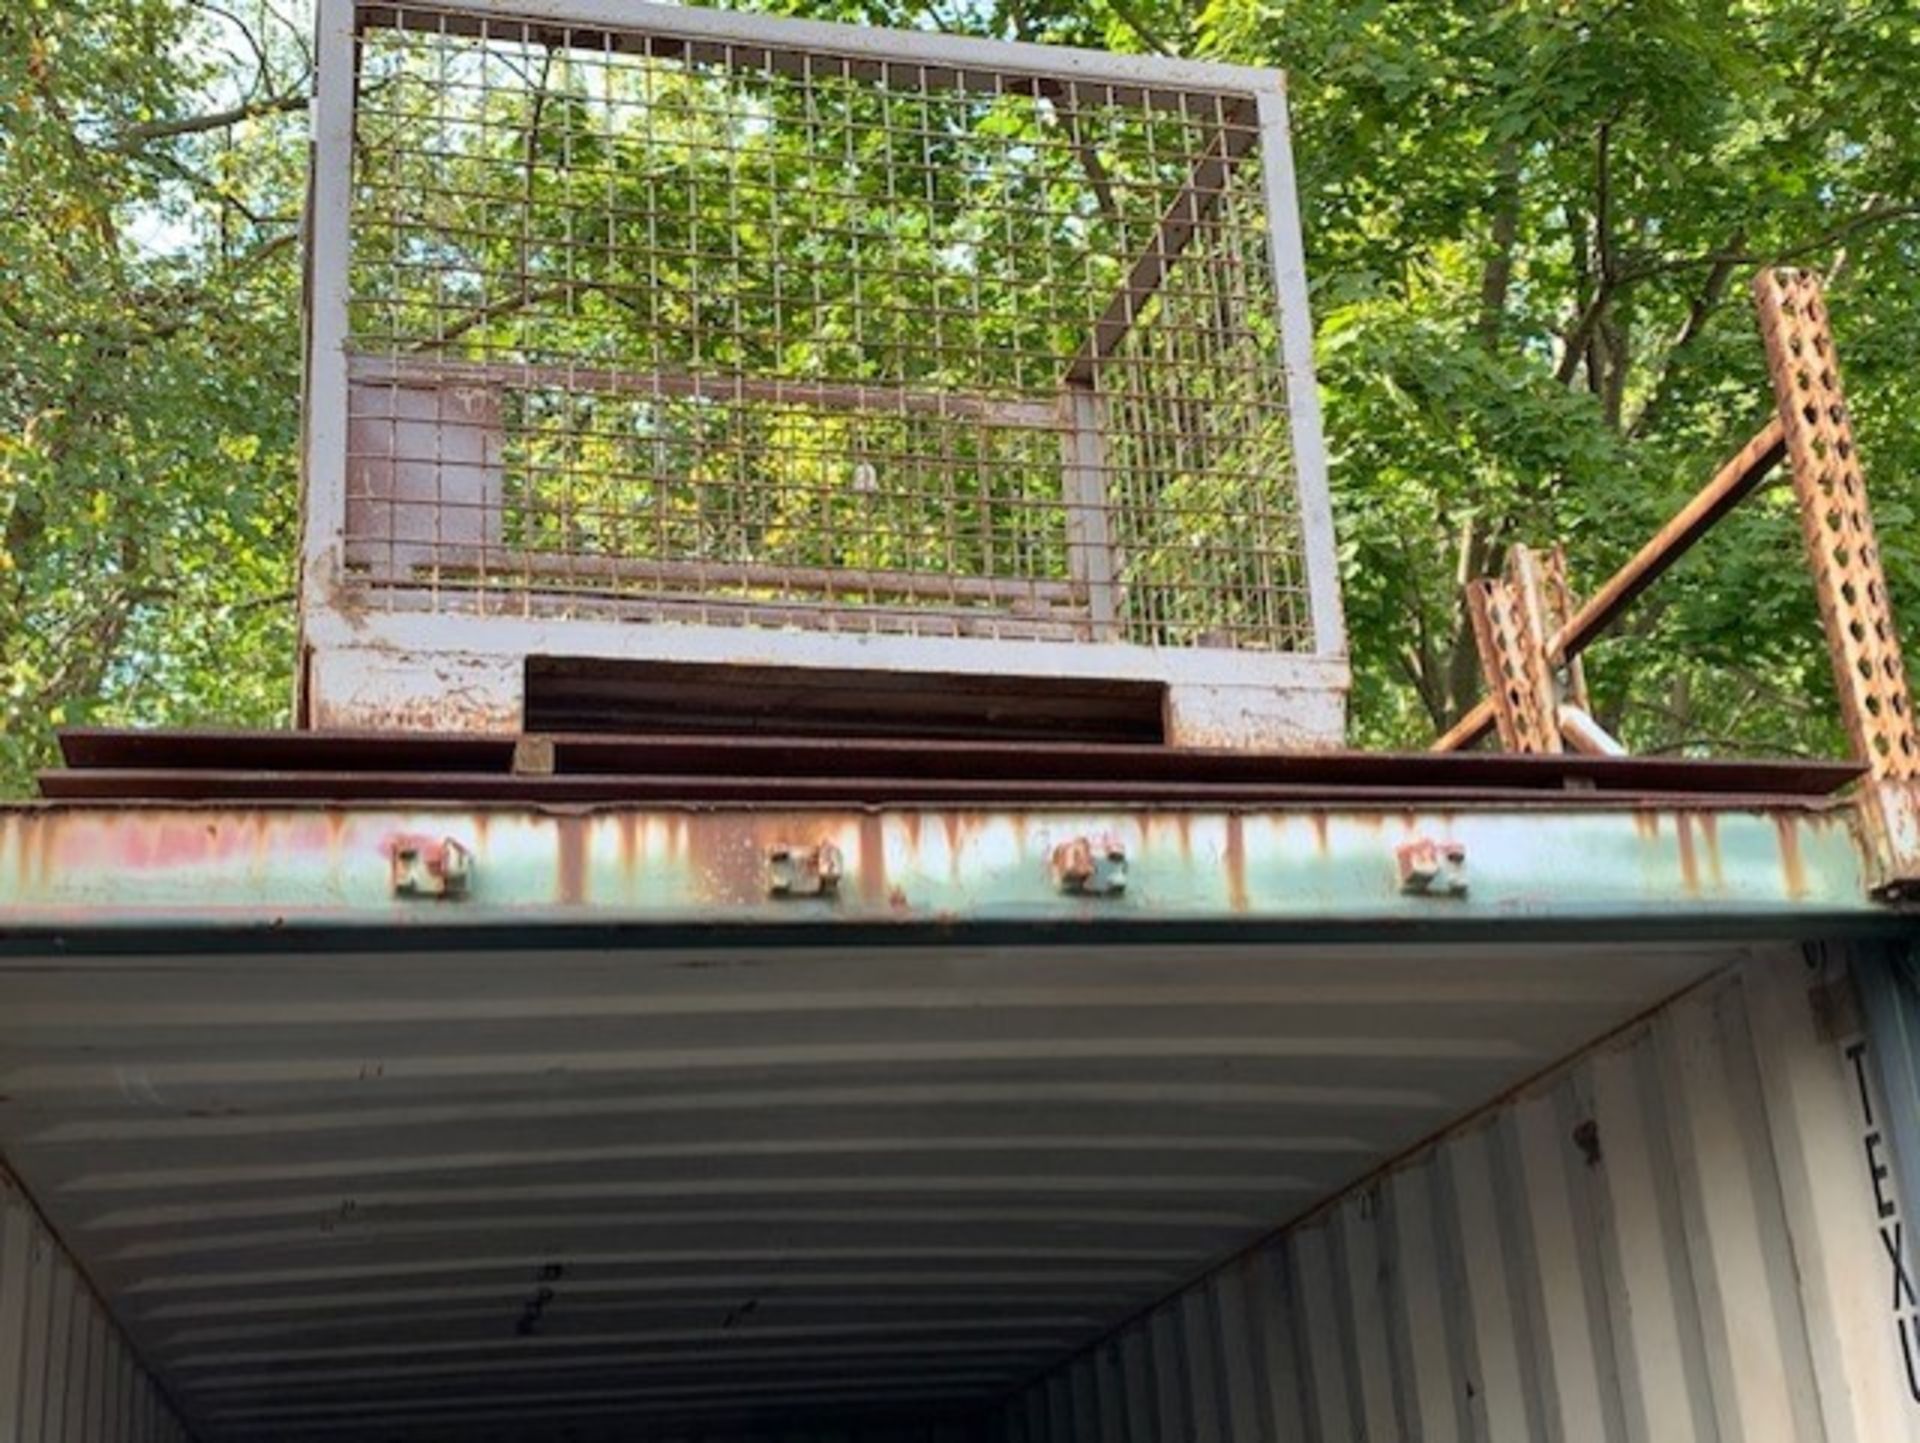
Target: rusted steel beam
[[1733, 483], [135, 786], [1837, 523], [100, 876], [117, 764]]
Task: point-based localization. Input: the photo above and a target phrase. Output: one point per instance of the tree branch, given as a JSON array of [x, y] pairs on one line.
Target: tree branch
[[135, 137], [1704, 303], [1130, 17], [1496, 278]]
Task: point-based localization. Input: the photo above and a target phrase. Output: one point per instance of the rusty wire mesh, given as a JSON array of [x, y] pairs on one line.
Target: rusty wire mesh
[[738, 333]]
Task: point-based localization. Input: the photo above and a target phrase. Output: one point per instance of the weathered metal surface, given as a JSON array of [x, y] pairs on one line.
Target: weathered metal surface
[[1512, 643], [322, 1190], [173, 758], [1557, 613], [464, 669], [428, 867], [1090, 866], [1432, 869], [1889, 814], [824, 504], [66, 1371], [881, 789], [1538, 690], [1731, 484], [804, 871], [93, 869], [1887, 979], [1837, 524], [1677, 1238]]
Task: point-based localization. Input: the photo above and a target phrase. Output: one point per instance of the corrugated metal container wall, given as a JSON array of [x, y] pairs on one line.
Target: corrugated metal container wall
[[844, 1432], [1678, 1238], [66, 1374]]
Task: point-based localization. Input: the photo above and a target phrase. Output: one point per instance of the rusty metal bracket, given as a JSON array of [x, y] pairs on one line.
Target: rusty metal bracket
[[804, 871], [1432, 869], [429, 867], [1090, 867]]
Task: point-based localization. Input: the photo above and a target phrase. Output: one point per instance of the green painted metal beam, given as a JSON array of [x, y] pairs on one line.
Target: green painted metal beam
[[81, 871]]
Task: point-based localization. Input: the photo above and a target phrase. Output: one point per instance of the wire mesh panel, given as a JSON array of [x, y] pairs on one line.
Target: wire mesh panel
[[673, 329]]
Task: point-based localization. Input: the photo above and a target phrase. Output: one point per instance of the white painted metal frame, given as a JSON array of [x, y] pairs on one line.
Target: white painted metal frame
[[448, 670]]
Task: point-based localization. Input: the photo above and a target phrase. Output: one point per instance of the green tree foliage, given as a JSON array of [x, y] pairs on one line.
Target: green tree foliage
[[149, 363], [1529, 224], [1530, 230]]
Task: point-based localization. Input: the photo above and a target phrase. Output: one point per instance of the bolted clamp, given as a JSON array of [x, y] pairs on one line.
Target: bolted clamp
[[428, 867], [804, 871], [1085, 867], [1432, 869]]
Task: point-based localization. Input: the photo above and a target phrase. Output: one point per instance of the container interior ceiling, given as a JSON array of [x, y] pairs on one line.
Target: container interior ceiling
[[535, 1194]]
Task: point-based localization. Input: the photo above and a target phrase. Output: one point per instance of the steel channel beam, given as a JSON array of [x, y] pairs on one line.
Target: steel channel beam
[[79, 872]]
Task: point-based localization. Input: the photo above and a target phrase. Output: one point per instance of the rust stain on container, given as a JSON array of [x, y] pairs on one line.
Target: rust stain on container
[[1689, 864], [1792, 866], [1710, 842], [572, 859], [1318, 821], [1647, 824], [41, 866], [741, 861], [1235, 860], [873, 857]]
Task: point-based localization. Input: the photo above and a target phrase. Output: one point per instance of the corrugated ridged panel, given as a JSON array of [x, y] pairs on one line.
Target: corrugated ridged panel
[[701, 1432], [66, 1374], [770, 1433], [1671, 1241], [544, 1191]]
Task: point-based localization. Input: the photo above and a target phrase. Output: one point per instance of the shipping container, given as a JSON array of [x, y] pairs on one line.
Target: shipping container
[[817, 898], [536, 1120]]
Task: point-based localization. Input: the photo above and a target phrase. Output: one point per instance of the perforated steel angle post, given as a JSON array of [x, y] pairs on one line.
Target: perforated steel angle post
[[1508, 627], [1538, 689], [1843, 552]]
